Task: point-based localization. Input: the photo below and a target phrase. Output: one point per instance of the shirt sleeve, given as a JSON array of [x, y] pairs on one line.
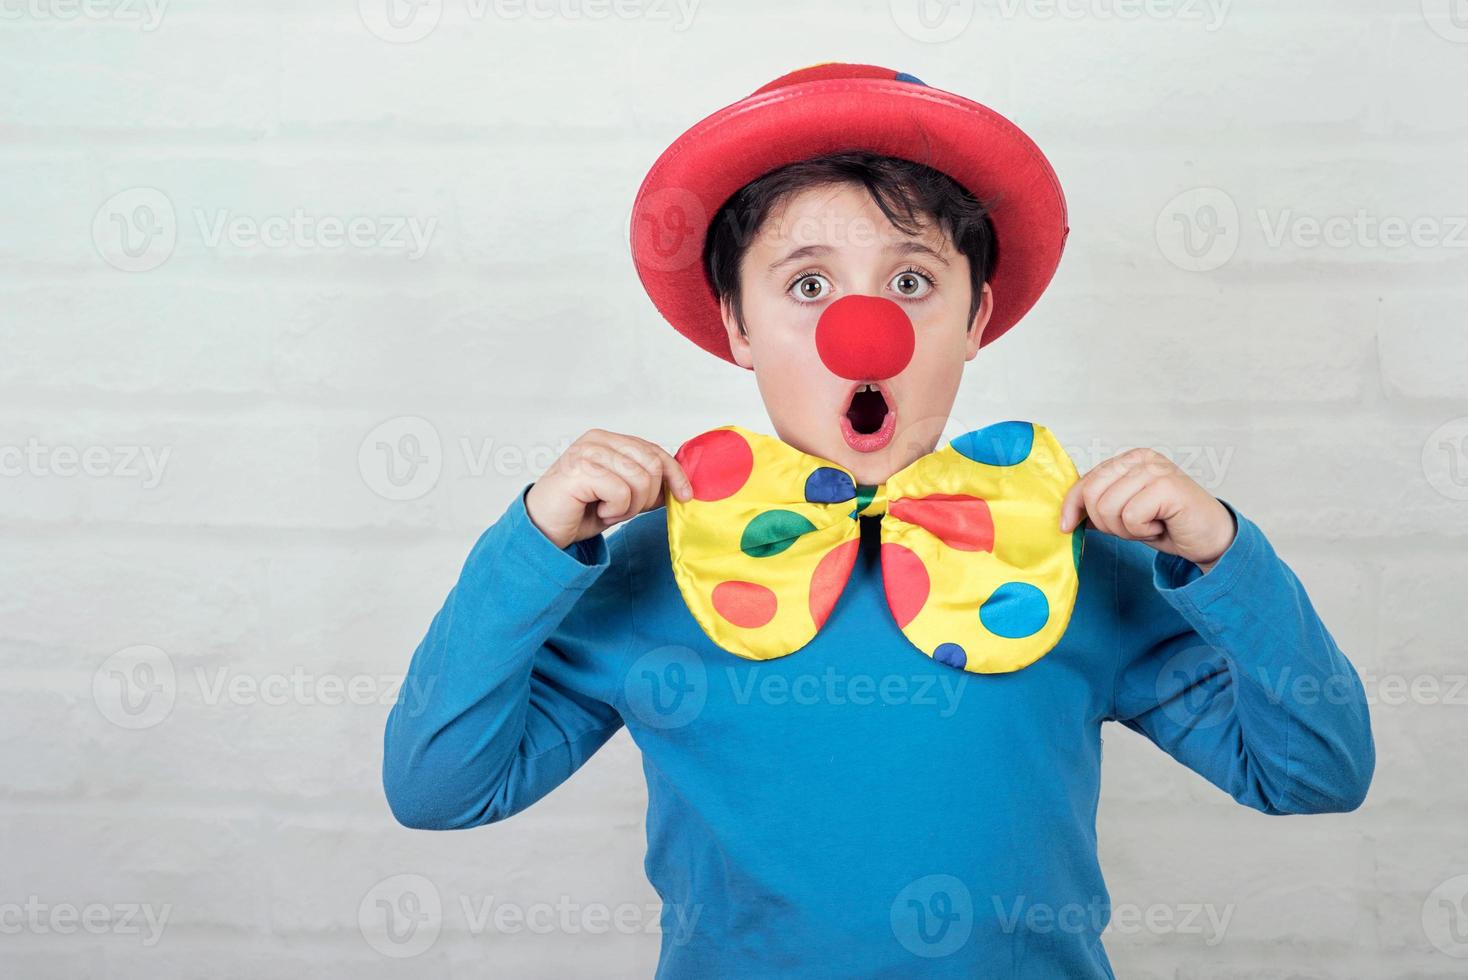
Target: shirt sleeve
[[502, 700], [1233, 674]]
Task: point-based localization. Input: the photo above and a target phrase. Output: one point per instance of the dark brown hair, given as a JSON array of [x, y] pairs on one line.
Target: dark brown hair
[[909, 194]]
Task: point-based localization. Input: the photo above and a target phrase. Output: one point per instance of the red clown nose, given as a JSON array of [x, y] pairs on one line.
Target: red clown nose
[[865, 337]]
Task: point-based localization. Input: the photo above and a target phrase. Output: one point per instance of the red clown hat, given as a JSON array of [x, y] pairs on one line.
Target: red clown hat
[[829, 108]]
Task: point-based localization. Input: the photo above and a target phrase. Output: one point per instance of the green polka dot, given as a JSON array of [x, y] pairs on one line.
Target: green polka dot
[[772, 532]]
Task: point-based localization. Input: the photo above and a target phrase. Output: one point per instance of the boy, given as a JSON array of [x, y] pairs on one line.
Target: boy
[[832, 790]]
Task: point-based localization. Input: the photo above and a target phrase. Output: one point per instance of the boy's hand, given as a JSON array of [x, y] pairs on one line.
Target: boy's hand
[[1141, 495], [604, 478]]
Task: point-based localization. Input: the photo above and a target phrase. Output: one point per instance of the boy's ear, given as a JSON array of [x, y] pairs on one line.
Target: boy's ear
[[738, 339], [981, 320]]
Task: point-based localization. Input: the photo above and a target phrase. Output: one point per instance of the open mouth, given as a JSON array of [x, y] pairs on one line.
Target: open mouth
[[867, 409], [870, 418]]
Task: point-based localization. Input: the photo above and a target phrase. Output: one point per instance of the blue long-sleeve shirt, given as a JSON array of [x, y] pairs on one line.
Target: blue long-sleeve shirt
[[855, 808]]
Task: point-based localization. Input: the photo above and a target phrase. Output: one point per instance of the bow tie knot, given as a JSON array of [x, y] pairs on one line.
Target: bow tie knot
[[871, 501], [975, 570]]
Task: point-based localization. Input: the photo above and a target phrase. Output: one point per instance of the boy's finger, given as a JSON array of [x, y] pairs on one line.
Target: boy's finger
[[642, 470], [642, 460], [612, 493], [1112, 503], [674, 475], [1095, 484], [1072, 509]]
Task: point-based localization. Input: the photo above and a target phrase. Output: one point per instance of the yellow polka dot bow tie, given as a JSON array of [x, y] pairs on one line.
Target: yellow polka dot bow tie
[[976, 571]]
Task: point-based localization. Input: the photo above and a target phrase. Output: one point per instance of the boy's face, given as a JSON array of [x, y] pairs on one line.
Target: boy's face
[[825, 243]]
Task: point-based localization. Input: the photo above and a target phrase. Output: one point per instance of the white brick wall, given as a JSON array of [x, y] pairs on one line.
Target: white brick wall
[[1323, 388]]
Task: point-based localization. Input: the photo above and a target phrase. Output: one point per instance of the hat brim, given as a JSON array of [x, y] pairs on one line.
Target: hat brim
[[976, 146]]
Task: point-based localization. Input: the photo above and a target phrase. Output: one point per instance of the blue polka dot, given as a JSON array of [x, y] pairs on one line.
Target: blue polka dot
[[828, 485], [1077, 544], [903, 76], [1015, 610], [951, 654], [1000, 444]]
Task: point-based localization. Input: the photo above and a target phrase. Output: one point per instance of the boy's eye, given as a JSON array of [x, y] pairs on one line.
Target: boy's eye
[[810, 287], [912, 284]]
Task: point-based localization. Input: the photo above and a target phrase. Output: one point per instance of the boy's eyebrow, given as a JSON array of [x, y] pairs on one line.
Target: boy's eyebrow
[[901, 248], [910, 247], [800, 253]]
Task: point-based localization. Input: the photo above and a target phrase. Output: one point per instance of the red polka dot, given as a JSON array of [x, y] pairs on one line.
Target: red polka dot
[[905, 580], [829, 578], [744, 603], [958, 520], [717, 463]]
